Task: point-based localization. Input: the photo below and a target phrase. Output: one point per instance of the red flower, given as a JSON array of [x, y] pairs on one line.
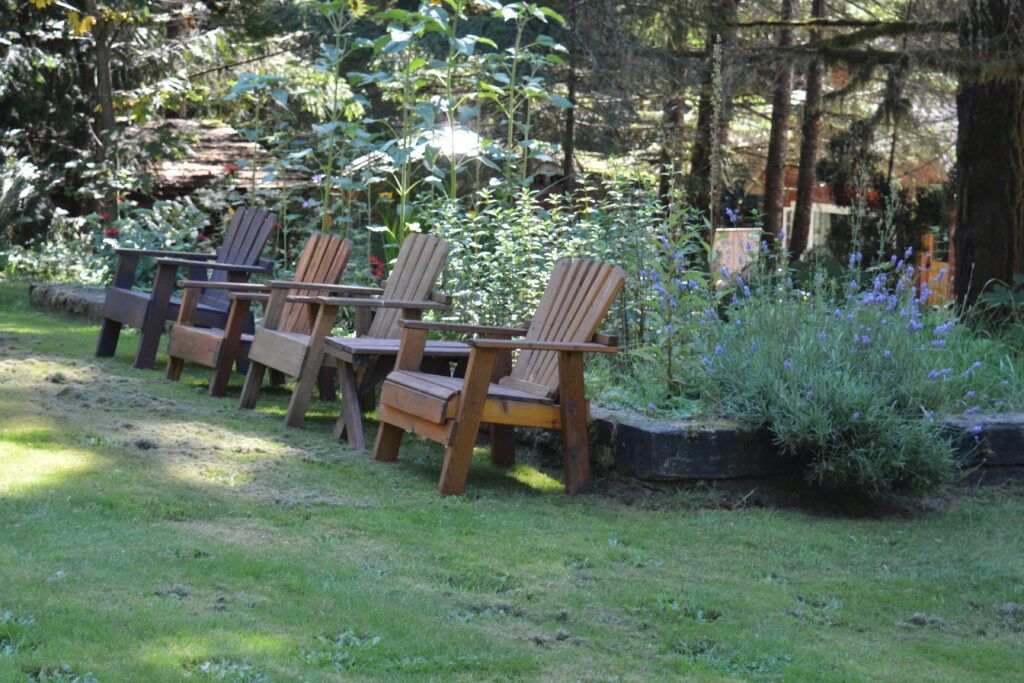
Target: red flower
[[376, 267], [111, 232], [200, 237], [231, 168], [104, 215]]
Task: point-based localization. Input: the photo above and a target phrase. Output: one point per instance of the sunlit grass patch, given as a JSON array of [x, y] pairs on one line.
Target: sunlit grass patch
[[535, 479]]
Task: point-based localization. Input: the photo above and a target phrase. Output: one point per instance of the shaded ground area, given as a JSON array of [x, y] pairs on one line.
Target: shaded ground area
[[153, 533]]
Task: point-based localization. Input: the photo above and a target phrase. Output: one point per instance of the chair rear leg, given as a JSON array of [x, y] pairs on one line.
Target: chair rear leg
[[277, 378], [350, 420], [389, 440], [174, 366], [503, 445], [106, 345], [325, 384], [251, 389]]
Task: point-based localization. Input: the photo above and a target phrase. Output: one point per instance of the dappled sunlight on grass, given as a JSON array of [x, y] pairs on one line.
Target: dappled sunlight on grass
[[535, 479]]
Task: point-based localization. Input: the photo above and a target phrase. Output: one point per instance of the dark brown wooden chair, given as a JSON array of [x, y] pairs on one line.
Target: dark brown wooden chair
[[544, 388], [323, 261], [407, 293], [237, 258]]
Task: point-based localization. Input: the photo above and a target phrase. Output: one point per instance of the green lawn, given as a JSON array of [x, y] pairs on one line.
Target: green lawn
[[151, 533]]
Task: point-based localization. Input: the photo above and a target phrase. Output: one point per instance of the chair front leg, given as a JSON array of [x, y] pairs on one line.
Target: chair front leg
[[186, 310], [310, 369], [573, 404], [227, 350], [156, 314], [459, 454], [110, 330]]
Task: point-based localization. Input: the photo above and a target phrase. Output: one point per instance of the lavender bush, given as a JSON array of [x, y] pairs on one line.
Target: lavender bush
[[852, 377]]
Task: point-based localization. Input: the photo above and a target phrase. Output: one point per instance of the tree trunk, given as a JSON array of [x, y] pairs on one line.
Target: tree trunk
[[569, 139], [103, 34], [775, 170], [810, 140], [704, 186], [989, 237]]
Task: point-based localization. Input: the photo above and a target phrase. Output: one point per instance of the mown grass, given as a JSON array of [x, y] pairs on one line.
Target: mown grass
[[151, 533]]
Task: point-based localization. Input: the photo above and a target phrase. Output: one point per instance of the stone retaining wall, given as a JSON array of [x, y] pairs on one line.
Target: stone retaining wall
[[75, 300]]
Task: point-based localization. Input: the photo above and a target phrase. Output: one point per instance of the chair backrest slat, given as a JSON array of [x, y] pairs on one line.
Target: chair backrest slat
[[323, 261], [243, 241], [419, 264], [578, 296]]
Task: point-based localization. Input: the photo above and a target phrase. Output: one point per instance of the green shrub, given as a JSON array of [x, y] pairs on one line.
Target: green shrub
[[82, 249]]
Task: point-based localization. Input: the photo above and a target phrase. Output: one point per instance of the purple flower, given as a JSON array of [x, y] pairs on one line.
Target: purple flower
[[856, 415], [731, 214], [788, 364], [914, 325], [976, 429], [650, 406], [972, 410], [316, 178], [725, 272], [306, 204], [909, 252], [938, 342], [764, 246], [855, 258], [746, 291], [706, 361], [754, 346], [664, 241], [719, 350], [822, 335], [887, 353], [970, 394]]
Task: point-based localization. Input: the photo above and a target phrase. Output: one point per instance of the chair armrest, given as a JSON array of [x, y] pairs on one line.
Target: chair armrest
[[233, 286], [157, 253], [581, 347], [323, 287], [249, 296], [463, 328], [377, 303], [216, 265]]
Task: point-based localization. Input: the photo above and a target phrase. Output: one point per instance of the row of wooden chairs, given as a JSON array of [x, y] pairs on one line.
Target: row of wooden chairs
[[441, 390]]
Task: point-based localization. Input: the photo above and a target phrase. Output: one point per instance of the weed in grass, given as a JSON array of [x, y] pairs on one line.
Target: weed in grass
[[816, 610], [225, 670], [336, 653], [14, 633], [62, 674]]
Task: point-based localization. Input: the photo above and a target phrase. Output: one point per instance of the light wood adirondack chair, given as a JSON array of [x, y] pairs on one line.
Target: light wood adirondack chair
[[323, 261], [408, 292], [543, 389], [237, 258]]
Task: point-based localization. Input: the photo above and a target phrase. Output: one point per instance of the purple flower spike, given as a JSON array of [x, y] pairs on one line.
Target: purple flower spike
[[788, 364], [822, 335], [856, 415], [976, 429], [719, 350]]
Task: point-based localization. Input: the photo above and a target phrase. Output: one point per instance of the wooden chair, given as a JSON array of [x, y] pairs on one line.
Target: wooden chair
[[237, 258], [543, 389], [408, 292], [323, 260]]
